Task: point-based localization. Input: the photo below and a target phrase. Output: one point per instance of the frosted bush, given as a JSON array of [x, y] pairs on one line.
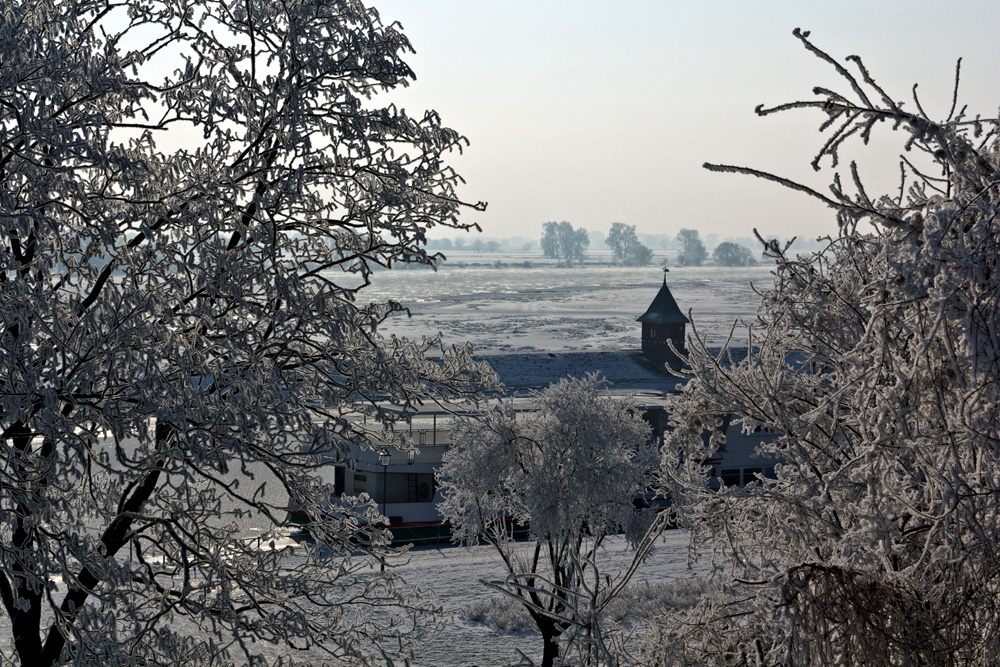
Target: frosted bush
[[634, 605], [877, 361], [569, 469], [502, 613]]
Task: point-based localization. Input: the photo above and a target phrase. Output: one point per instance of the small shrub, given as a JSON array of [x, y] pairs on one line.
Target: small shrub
[[501, 613], [636, 604]]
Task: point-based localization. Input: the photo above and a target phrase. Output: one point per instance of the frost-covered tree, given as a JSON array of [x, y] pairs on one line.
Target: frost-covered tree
[[625, 245], [728, 253], [570, 469], [877, 361], [575, 244], [550, 240], [693, 251], [561, 241], [192, 197], [639, 255], [620, 237]]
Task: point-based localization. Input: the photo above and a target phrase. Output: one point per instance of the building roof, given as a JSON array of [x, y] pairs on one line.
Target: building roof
[[664, 309], [624, 370]]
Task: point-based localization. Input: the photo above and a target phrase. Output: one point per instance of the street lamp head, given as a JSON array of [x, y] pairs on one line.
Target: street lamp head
[[384, 457]]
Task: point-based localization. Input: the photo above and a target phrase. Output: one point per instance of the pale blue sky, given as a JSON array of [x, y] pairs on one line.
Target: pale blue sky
[[597, 112]]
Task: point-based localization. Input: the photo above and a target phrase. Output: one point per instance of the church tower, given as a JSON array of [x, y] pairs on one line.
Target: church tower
[[663, 321]]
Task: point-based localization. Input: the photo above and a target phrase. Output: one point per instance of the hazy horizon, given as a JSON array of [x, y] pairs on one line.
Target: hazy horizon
[[592, 114]]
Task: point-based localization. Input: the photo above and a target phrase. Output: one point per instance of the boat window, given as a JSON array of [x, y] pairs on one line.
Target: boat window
[[750, 475], [420, 487], [730, 476], [338, 480], [407, 488], [360, 484]]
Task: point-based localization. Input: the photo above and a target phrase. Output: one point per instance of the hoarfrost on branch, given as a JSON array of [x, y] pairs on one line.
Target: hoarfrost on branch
[[572, 469], [183, 333], [877, 362]]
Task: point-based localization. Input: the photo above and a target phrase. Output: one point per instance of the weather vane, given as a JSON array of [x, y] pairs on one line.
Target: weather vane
[[665, 272]]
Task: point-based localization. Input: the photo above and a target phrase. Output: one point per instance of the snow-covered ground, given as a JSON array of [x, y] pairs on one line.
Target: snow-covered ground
[[536, 325], [573, 318], [517, 309], [452, 574]]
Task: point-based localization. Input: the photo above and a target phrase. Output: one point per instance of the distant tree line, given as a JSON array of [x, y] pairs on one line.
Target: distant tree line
[[631, 248], [560, 240], [518, 243], [479, 245], [727, 253]]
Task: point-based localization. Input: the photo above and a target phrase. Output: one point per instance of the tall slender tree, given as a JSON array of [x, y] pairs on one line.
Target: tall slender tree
[[192, 197]]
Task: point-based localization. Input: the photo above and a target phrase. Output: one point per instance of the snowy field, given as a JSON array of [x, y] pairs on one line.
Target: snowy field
[[517, 309], [453, 575]]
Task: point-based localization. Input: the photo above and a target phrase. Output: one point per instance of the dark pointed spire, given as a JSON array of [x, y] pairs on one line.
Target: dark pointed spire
[[663, 310]]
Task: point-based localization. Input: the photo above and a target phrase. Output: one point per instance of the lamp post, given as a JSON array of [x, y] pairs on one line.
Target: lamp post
[[383, 460]]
